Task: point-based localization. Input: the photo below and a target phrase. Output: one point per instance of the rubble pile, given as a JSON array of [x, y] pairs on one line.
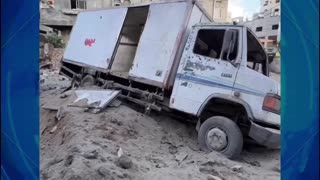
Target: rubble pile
[[50, 56], [124, 143]]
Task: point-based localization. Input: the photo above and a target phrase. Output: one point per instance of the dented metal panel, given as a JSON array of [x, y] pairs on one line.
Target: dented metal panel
[[94, 37], [201, 74], [157, 46], [195, 17]]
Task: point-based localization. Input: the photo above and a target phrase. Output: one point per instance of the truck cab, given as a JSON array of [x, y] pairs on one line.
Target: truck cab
[[223, 79]]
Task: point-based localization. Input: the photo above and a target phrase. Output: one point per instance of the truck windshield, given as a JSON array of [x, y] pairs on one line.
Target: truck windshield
[[257, 58]]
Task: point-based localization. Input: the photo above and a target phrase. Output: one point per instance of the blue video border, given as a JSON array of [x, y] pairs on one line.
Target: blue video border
[[19, 89], [300, 89]]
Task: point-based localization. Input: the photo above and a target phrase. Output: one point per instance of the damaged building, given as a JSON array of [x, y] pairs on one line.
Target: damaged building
[[61, 14], [266, 23]]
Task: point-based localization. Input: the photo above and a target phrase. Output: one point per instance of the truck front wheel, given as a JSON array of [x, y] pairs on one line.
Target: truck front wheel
[[221, 134]]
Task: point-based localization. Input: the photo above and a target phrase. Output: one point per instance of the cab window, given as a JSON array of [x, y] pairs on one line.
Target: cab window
[[257, 58], [217, 44]]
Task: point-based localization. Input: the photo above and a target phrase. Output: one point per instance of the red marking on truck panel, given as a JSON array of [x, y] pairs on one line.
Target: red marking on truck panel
[[89, 42]]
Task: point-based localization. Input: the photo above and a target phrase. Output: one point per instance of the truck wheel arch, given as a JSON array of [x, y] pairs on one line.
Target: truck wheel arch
[[229, 98]]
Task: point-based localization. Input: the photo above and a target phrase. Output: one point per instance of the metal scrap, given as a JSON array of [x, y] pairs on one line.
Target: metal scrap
[[94, 100]]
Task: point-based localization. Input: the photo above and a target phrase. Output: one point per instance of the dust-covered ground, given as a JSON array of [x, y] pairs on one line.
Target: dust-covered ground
[[85, 146]]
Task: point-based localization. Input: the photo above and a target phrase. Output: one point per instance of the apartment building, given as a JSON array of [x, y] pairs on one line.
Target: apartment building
[[266, 23], [270, 7], [61, 14]]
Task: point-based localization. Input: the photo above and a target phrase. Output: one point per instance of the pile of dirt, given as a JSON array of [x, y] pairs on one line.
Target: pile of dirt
[[50, 55], [123, 143]]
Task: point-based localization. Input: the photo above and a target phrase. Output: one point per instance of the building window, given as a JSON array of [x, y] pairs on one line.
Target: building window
[[277, 1], [217, 44], [274, 41], [276, 12], [265, 3], [275, 27], [258, 29], [78, 4]]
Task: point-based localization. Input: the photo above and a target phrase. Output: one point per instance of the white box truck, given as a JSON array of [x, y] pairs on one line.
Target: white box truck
[[170, 56]]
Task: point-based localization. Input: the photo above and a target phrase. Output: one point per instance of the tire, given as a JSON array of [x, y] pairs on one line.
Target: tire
[[87, 81], [233, 133]]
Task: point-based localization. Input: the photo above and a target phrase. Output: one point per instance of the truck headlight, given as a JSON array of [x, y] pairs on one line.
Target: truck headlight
[[271, 103]]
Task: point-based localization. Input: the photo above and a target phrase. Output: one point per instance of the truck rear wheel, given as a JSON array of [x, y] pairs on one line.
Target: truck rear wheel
[[221, 134]]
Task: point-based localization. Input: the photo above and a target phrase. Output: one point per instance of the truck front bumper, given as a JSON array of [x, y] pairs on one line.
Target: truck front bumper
[[265, 136]]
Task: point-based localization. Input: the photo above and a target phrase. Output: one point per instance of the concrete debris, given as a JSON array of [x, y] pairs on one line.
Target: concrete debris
[[53, 129], [60, 113], [122, 143], [120, 152], [173, 149], [48, 49], [91, 155], [211, 177], [63, 96], [50, 57], [254, 163], [42, 80], [52, 16], [125, 162], [181, 157], [71, 11], [237, 168], [104, 172], [276, 169]]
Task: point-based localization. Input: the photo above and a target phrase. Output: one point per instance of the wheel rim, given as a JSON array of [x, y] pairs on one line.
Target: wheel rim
[[216, 139]]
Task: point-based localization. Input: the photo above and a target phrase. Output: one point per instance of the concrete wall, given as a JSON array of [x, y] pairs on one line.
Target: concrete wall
[[62, 4], [91, 4], [94, 4], [217, 9], [220, 11]]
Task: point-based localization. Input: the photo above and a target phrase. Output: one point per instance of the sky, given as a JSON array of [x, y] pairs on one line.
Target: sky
[[245, 8]]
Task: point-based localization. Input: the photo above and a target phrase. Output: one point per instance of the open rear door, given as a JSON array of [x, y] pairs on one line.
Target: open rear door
[[159, 43], [94, 37]]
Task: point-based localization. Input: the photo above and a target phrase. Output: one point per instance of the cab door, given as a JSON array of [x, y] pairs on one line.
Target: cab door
[[207, 66], [252, 83]]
